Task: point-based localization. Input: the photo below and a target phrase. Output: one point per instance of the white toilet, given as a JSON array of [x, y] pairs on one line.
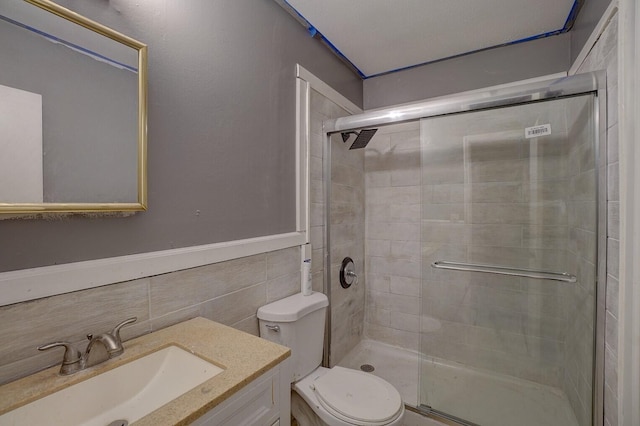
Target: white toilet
[[336, 396]]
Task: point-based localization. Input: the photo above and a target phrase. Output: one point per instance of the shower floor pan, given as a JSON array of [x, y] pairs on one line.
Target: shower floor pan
[[482, 398]]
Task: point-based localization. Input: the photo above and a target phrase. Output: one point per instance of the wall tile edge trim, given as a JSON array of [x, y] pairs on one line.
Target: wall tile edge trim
[[36, 283]]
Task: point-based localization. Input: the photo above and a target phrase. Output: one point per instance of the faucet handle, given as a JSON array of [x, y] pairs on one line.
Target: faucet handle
[[72, 359], [116, 330]]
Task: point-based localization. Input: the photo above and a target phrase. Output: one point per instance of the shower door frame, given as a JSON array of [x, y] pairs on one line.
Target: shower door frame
[[580, 84]]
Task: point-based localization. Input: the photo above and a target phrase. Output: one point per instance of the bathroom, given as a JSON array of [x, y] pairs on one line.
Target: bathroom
[[222, 168]]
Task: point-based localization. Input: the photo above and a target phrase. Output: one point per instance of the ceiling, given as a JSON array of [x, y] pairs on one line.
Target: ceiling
[[382, 36]]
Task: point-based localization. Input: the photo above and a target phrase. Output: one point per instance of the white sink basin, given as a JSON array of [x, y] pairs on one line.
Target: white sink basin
[[128, 392]]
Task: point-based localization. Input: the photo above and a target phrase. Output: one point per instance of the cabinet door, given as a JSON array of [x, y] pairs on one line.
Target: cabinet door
[[256, 404]]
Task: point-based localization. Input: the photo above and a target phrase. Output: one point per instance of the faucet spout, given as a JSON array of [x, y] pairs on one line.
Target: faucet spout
[[102, 347], [111, 344]]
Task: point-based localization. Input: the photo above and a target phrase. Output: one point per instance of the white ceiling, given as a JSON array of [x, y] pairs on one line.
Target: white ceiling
[[379, 36]]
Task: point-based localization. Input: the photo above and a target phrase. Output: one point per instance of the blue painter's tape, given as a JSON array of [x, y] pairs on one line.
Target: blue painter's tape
[[69, 44], [567, 26], [314, 32], [573, 13], [340, 54]]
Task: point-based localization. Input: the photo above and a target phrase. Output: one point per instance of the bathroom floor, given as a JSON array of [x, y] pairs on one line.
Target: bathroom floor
[[486, 399]]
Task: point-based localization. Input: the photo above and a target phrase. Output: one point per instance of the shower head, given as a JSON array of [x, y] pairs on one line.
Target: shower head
[[362, 138], [347, 135]]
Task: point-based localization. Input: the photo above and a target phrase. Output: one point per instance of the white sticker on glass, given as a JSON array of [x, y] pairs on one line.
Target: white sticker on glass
[[537, 131]]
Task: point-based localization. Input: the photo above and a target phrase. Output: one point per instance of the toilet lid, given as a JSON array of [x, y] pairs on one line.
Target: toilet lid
[[357, 397]]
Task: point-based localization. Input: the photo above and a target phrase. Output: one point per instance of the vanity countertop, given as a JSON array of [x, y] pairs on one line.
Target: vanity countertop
[[243, 356]]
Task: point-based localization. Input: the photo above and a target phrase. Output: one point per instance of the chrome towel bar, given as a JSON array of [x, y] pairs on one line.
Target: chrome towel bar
[[504, 270]]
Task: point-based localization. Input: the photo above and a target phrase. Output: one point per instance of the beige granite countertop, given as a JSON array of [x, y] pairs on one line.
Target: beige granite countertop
[[243, 356]]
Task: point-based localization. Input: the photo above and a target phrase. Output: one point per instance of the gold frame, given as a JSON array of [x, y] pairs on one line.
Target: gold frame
[[35, 208]]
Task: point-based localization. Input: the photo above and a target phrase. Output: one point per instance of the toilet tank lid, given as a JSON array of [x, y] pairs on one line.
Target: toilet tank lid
[[293, 308]]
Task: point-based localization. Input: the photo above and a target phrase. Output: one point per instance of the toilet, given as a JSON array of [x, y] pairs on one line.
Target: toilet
[[331, 396]]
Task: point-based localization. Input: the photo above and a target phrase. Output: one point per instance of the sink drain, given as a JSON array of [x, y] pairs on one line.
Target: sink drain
[[368, 368], [119, 423]]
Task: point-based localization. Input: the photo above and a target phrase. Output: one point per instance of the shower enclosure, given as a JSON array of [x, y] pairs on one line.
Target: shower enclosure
[[482, 219]]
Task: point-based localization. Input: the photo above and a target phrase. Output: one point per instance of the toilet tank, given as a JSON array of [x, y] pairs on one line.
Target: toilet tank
[[297, 322]]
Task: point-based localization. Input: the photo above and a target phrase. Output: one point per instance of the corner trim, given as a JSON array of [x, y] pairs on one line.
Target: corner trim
[[326, 90], [593, 38]]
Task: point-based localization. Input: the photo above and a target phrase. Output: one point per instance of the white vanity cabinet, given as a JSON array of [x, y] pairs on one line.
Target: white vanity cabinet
[[266, 401]]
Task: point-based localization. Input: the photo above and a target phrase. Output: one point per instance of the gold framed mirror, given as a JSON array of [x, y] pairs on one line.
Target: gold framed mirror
[[73, 113]]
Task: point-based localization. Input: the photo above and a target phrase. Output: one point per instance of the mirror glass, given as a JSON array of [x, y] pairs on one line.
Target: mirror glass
[[72, 113]]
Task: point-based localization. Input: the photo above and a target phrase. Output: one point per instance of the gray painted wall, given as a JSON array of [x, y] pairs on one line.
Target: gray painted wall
[[221, 130], [586, 22], [487, 68]]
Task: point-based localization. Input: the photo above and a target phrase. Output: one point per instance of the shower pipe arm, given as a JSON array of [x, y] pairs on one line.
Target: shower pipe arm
[[505, 270]]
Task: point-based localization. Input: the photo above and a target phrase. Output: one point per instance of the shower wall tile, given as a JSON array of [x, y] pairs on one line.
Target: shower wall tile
[[406, 140], [545, 237], [528, 258], [582, 215], [445, 213], [537, 213], [392, 195], [612, 144], [378, 283], [547, 191], [496, 192], [613, 257], [389, 231], [379, 248], [613, 183], [405, 286], [378, 316], [403, 321], [613, 218], [407, 250], [495, 235], [499, 171], [612, 295], [446, 194], [347, 175], [394, 302], [394, 267], [377, 179], [392, 336], [347, 218], [405, 213]]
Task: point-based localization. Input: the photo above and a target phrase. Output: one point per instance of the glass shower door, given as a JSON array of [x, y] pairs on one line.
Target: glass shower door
[[508, 308]]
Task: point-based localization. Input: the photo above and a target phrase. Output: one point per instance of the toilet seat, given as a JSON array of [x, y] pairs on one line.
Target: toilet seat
[[358, 398]]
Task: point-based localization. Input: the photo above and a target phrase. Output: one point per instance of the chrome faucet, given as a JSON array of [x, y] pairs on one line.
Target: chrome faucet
[[74, 361]]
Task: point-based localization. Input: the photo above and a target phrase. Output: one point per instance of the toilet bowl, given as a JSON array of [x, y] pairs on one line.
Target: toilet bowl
[[333, 396], [344, 397]]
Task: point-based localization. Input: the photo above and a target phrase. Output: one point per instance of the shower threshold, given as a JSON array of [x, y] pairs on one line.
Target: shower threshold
[[473, 395]]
